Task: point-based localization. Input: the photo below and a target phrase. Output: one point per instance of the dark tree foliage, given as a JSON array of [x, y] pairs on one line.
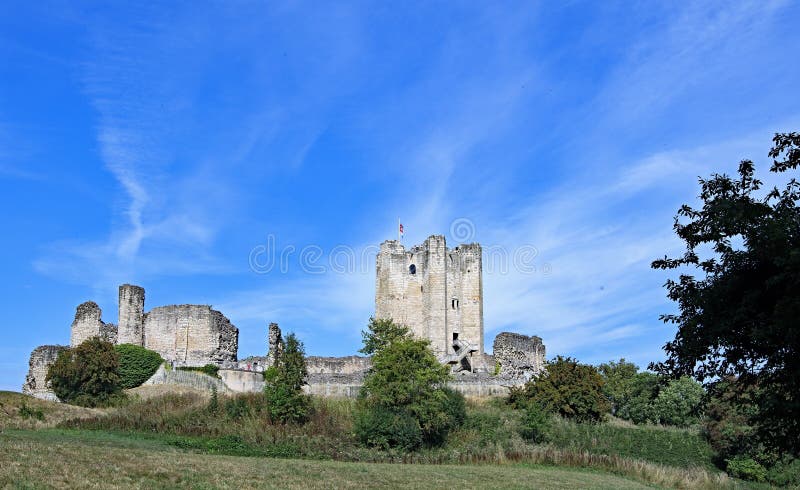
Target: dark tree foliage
[[136, 364], [86, 375], [740, 317], [284, 384], [568, 388]]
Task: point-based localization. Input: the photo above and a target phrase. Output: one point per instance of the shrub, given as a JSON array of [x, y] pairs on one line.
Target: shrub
[[386, 428], [406, 380], [284, 382], [136, 364], [208, 369], [568, 388], [535, 423], [785, 473], [746, 469], [86, 375], [679, 402], [27, 412], [213, 402]]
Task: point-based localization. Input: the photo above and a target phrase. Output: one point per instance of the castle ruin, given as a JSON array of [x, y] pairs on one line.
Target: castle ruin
[[438, 294], [189, 335], [435, 291]]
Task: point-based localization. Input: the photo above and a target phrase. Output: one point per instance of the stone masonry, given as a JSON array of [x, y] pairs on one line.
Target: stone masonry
[[41, 359], [131, 314], [88, 324], [191, 334], [437, 293], [518, 355]]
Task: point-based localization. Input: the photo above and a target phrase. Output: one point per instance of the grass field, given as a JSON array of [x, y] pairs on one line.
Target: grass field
[[94, 459], [163, 439]]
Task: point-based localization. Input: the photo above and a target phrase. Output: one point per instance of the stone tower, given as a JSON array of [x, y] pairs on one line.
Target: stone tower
[[437, 293], [131, 315], [88, 324]]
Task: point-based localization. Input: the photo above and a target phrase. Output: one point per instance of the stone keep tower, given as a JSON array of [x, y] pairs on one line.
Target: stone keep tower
[[437, 293], [131, 315]]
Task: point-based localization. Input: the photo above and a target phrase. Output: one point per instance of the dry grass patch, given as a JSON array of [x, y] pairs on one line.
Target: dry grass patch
[[18, 411]]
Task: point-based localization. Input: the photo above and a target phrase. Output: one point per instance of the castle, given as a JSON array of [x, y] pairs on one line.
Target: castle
[[435, 291], [438, 294]]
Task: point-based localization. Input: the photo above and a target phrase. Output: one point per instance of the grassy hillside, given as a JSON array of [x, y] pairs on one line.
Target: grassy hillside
[[18, 411], [189, 427], [81, 459]]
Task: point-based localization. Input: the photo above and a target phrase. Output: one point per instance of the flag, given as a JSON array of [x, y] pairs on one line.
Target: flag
[[401, 229]]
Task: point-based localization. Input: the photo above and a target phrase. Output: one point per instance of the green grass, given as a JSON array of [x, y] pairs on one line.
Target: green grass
[[85, 459], [681, 448]]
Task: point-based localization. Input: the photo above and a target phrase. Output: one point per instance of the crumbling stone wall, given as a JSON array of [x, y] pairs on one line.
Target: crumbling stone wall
[[338, 365], [88, 323], [41, 359], [519, 356], [191, 334], [435, 291], [478, 385]]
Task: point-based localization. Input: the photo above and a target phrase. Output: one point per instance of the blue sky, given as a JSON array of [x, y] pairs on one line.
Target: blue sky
[[169, 145]]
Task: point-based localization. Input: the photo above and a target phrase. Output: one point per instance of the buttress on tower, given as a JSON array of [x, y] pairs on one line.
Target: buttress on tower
[[438, 294]]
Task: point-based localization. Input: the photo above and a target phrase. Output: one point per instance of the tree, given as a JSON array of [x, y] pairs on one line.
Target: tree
[[631, 393], [404, 401], [284, 383], [739, 318], [618, 377], [86, 375], [678, 403], [638, 403], [380, 333], [568, 388]]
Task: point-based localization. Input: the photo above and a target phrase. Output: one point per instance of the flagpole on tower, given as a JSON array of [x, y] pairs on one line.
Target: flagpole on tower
[[399, 230]]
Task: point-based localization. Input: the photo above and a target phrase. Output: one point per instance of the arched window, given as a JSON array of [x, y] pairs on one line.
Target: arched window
[[412, 269]]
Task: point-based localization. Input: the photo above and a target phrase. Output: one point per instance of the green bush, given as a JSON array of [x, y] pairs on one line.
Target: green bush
[[568, 388], [209, 369], [86, 375], [283, 388], [406, 379], [785, 473], [136, 364], [27, 412], [746, 469], [535, 423], [385, 428]]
